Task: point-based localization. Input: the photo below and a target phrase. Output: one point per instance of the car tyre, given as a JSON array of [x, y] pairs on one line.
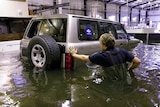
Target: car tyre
[[43, 52]]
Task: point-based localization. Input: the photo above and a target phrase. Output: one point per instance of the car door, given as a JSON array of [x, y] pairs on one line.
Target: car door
[[121, 32], [107, 27]]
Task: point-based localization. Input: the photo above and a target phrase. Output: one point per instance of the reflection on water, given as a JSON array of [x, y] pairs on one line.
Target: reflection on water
[[40, 76], [22, 86], [95, 73], [8, 66]]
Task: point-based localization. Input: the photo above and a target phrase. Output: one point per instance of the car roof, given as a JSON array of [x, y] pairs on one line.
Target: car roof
[[72, 15]]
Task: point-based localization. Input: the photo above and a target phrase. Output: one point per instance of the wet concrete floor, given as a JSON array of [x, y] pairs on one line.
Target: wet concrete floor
[[23, 86]]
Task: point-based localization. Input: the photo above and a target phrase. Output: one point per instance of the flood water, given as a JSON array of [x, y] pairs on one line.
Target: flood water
[[23, 86]]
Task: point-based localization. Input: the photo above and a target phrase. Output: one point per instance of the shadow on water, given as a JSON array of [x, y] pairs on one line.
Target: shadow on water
[[23, 86]]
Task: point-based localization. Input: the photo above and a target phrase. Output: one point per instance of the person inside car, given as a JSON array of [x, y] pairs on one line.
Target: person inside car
[[113, 60]]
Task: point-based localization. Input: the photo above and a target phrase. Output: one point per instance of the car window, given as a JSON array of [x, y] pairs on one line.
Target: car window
[[120, 31], [33, 29], [55, 28], [106, 27], [88, 30]]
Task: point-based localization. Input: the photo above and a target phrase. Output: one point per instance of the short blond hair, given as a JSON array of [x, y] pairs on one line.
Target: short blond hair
[[107, 39]]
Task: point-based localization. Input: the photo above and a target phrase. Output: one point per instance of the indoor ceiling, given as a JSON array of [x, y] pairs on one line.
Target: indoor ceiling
[[140, 4]]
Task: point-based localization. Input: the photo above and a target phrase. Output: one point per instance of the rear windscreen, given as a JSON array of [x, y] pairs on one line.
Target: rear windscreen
[[55, 28]]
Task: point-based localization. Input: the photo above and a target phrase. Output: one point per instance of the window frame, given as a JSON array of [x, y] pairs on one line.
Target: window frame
[[29, 28]]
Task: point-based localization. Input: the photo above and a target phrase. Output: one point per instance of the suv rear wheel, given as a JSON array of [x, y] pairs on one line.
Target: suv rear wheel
[[44, 52]]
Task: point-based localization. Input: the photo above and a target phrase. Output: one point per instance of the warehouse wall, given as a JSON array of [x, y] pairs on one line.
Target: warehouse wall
[[112, 12], [93, 8], [135, 18], [142, 16], [13, 8], [124, 15], [98, 9], [39, 3], [154, 17], [75, 7]]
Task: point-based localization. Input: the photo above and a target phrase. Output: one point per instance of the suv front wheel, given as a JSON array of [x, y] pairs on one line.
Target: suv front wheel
[[43, 52]]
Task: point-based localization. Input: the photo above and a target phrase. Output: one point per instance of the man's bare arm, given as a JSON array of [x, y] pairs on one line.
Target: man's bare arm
[[135, 63], [73, 52]]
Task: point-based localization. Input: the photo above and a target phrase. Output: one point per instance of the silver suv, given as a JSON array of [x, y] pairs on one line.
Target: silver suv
[[46, 39]]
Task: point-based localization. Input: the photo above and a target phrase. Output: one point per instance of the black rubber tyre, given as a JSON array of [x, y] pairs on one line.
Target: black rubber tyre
[[43, 52]]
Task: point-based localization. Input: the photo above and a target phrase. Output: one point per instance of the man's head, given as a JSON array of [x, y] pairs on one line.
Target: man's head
[[107, 41]]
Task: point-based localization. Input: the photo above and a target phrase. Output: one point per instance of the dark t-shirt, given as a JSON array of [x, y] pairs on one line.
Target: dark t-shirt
[[104, 59]]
